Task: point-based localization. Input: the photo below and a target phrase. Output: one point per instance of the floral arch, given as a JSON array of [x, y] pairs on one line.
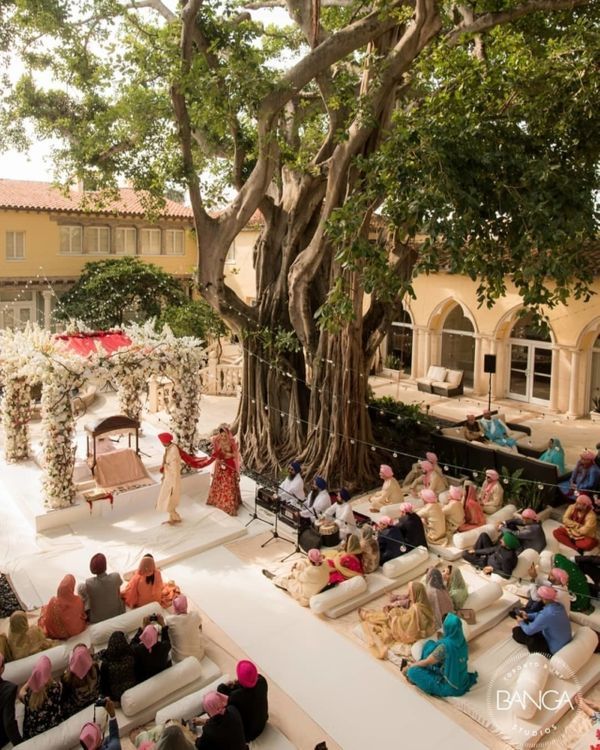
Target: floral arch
[[61, 363]]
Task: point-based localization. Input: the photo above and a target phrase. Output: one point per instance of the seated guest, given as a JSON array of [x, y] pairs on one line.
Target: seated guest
[[456, 585], [500, 558], [434, 520], [224, 729], [589, 565], [9, 731], [528, 530], [454, 511], [185, 631], [438, 596], [491, 494], [151, 647], [554, 454], [307, 577], [472, 431], [117, 671], [556, 578], [64, 615], [442, 669], [403, 621], [390, 492], [416, 470], [318, 500], [80, 681], [23, 639], [249, 695], [341, 513], [41, 696], [474, 515], [369, 549], [398, 538], [579, 525], [92, 737], [584, 478], [172, 737], [145, 585], [496, 431], [101, 594], [346, 563], [430, 479], [292, 487], [579, 588], [546, 631]]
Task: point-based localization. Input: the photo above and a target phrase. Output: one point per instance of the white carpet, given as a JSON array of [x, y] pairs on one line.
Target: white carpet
[[354, 700], [35, 576]]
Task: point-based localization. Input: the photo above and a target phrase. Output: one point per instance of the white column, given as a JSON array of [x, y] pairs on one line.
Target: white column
[[414, 365], [478, 365], [554, 380], [574, 384], [47, 295]]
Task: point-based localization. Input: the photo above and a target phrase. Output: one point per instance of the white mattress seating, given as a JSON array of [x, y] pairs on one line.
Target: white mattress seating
[[319, 603], [19, 671], [138, 698], [501, 667], [484, 596], [464, 540], [190, 706], [65, 736], [567, 662], [531, 681], [128, 622], [405, 563]]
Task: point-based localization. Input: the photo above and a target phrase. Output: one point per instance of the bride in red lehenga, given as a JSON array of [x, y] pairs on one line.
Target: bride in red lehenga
[[224, 490]]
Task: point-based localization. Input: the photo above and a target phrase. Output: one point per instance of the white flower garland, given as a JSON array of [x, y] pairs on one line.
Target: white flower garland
[[16, 414]]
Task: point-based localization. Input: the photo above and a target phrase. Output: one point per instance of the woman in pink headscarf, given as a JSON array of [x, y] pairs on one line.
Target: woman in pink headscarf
[[491, 494], [224, 490], [145, 585], [249, 695], [430, 479], [579, 525], [64, 615], [390, 491], [80, 681], [224, 729], [474, 515], [41, 696]]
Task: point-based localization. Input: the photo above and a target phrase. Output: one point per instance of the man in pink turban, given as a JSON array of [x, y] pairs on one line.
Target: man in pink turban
[[433, 518], [557, 578], [579, 525], [546, 631], [454, 511], [390, 492], [428, 479], [224, 727], [528, 530], [584, 479], [491, 493], [249, 695], [185, 631], [308, 577], [9, 731], [398, 538]]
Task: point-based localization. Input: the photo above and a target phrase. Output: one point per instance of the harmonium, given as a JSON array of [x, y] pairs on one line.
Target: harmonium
[[267, 499], [290, 514]]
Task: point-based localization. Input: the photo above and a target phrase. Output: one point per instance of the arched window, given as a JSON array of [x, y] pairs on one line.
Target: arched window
[[400, 342], [530, 362], [458, 344]]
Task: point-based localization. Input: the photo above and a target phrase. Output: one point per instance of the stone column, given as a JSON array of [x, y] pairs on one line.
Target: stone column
[[47, 295], [554, 379], [574, 389]]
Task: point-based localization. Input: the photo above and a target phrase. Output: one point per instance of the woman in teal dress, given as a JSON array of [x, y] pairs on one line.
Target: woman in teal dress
[[555, 454], [443, 668]]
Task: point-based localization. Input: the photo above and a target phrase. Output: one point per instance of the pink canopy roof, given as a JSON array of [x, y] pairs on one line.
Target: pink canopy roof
[[84, 344]]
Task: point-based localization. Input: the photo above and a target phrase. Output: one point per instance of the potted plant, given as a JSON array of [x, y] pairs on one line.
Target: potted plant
[[392, 366]]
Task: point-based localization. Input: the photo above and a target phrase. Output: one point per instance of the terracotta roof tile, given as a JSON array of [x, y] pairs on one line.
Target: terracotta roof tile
[[43, 196]]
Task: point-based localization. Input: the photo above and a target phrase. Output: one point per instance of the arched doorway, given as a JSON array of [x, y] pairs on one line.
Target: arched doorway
[[400, 342], [530, 361], [458, 344]]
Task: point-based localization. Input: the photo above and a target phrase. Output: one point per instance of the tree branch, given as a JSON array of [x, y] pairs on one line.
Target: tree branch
[[282, 4], [156, 5], [487, 21]]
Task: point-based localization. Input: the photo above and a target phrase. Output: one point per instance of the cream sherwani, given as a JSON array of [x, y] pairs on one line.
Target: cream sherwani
[[170, 489], [491, 500], [389, 494], [455, 516], [305, 580], [434, 522]]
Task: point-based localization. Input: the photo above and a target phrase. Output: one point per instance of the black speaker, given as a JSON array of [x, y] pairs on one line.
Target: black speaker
[[489, 363]]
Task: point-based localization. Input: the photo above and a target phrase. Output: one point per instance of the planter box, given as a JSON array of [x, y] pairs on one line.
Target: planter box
[[595, 416]]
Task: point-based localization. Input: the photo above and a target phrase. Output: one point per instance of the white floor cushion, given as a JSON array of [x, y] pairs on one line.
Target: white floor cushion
[[532, 679], [20, 670], [137, 698], [188, 706], [271, 739], [484, 596], [527, 558], [128, 622], [65, 736], [567, 662], [464, 540], [338, 594], [504, 514], [405, 563]]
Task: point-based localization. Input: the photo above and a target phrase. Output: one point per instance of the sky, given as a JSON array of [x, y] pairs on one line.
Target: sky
[[33, 165]]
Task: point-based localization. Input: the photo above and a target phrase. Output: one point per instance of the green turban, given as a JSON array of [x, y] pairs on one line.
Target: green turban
[[510, 540]]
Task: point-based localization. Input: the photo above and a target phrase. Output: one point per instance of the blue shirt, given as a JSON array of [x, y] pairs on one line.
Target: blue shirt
[[112, 742], [553, 623]]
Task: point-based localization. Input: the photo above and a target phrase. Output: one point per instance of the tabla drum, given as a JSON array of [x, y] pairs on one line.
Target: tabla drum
[[309, 539], [330, 534]]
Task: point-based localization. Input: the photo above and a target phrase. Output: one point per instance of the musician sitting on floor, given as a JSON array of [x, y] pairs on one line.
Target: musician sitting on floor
[[307, 577], [292, 487], [341, 513], [318, 500]]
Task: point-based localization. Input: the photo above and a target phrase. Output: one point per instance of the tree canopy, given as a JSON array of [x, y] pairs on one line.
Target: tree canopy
[[110, 292], [377, 139]]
